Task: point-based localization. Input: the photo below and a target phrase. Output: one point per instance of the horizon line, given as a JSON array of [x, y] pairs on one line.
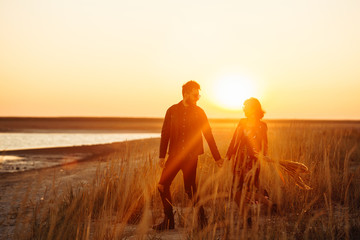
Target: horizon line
[[144, 117]]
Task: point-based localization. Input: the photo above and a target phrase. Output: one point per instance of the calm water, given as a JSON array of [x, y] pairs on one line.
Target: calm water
[[15, 141]]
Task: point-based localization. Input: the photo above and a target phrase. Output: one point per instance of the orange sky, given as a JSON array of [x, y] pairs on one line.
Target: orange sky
[[130, 58]]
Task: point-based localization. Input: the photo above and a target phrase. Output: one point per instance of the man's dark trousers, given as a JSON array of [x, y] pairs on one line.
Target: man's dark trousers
[[172, 166]]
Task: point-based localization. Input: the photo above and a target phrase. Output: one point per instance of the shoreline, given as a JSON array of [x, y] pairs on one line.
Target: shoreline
[[40, 158]]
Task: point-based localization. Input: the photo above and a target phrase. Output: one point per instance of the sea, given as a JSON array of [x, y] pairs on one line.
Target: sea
[[19, 141]]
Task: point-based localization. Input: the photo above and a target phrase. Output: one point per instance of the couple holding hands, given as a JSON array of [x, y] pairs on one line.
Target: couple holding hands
[[181, 137]]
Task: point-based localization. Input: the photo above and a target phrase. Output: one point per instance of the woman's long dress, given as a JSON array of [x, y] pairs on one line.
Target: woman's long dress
[[247, 142]]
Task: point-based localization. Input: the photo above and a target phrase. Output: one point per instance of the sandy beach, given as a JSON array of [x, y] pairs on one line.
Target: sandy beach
[[57, 168]]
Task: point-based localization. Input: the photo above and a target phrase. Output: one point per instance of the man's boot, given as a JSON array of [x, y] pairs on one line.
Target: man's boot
[[167, 223]]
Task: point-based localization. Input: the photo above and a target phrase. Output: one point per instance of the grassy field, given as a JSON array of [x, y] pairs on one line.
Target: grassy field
[[122, 201]]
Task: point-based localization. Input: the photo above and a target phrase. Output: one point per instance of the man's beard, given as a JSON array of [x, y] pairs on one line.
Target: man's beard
[[191, 103]]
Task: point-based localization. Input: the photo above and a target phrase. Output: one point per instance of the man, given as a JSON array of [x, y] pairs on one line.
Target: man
[[182, 131]]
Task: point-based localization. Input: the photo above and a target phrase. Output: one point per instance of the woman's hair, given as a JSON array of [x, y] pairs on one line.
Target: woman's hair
[[251, 107]]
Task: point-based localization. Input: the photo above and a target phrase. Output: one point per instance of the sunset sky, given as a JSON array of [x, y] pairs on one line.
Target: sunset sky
[[130, 58]]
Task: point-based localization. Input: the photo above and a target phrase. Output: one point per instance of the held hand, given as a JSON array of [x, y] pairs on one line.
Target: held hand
[[220, 162], [162, 162]]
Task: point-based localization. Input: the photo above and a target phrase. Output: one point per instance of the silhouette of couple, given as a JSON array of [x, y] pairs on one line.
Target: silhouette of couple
[[181, 138]]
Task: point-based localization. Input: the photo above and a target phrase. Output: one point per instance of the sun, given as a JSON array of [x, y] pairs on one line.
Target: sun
[[231, 92]]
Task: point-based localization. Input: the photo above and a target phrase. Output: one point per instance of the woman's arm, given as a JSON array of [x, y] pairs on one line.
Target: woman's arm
[[234, 142], [265, 141]]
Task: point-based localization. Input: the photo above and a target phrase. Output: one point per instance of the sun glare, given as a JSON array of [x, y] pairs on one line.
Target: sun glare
[[231, 92]]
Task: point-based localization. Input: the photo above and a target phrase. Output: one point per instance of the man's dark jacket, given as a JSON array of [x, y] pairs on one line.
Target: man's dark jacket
[[182, 131]]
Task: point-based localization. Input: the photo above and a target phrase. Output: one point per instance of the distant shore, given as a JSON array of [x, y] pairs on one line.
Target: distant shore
[[76, 124], [118, 124]]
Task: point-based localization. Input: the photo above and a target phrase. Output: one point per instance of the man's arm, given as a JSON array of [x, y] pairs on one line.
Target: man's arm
[[209, 137], [165, 135]]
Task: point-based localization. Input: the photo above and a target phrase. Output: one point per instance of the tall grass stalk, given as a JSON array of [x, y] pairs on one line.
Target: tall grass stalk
[[122, 200]]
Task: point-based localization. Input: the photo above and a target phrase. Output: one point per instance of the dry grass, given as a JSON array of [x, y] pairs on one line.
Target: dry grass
[[122, 201]]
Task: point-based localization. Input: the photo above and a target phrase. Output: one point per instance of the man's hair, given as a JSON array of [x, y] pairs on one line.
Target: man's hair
[[189, 86]]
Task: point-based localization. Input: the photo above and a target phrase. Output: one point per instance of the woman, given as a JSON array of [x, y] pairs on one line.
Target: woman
[[249, 141]]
